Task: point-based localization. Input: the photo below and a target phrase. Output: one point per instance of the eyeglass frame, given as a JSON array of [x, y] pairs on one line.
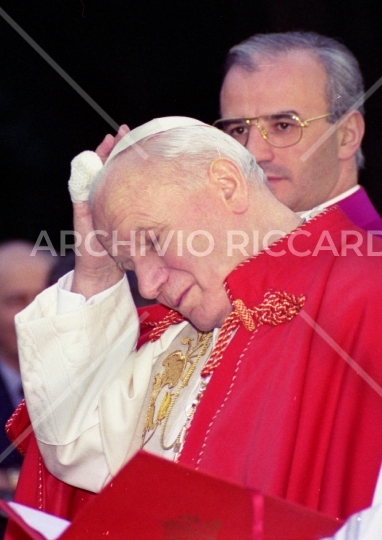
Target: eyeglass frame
[[263, 133]]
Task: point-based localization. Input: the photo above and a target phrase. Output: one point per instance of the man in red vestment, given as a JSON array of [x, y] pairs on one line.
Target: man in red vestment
[[262, 363]]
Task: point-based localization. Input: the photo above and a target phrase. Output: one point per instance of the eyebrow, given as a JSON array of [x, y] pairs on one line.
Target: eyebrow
[[278, 113], [282, 112]]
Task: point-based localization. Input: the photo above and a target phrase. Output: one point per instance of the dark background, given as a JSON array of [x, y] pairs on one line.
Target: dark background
[[139, 60]]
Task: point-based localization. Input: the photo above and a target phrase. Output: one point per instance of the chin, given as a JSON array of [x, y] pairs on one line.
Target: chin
[[204, 321], [202, 326]]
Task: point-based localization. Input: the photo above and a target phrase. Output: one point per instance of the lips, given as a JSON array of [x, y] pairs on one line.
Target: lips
[[181, 298], [173, 303], [276, 173], [275, 178]]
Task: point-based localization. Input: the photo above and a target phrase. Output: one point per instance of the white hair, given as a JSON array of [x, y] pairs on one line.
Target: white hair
[[191, 150], [188, 152]]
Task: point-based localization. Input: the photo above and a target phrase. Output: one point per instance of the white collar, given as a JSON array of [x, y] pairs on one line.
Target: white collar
[[307, 214]]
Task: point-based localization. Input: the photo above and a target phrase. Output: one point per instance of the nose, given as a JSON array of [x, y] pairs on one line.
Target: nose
[[258, 146], [152, 274]]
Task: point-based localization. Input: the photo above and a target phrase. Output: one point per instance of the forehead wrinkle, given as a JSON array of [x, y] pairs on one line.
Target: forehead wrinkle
[[135, 215], [113, 191], [128, 194]]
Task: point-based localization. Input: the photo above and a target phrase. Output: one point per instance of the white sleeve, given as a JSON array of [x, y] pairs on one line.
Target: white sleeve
[[68, 301], [365, 525], [67, 360], [377, 499]]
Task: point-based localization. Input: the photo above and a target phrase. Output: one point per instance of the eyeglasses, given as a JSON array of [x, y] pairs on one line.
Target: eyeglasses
[[280, 130]]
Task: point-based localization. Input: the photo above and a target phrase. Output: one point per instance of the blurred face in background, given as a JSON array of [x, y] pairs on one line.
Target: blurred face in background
[[22, 277]]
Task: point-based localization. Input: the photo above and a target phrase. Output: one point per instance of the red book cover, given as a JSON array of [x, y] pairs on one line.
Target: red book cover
[[154, 499]]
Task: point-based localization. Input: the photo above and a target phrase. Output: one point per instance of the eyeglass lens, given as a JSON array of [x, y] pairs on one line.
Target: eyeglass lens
[[278, 129]]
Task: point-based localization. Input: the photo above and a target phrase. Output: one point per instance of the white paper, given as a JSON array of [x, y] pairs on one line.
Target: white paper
[[365, 525], [51, 527]]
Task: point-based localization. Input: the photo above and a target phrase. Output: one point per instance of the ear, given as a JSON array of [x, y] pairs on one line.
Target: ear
[[350, 134], [228, 179]]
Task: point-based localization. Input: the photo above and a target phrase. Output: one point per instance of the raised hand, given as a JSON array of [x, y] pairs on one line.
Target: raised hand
[[104, 149], [95, 270]]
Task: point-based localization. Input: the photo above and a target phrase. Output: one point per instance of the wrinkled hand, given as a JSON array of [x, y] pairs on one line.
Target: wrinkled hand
[[95, 270], [104, 149]]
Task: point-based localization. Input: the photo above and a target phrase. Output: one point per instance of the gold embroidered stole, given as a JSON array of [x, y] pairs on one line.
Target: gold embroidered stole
[[174, 383]]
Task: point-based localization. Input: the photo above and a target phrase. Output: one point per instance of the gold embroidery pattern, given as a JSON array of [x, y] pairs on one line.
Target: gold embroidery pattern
[[182, 437], [178, 368]]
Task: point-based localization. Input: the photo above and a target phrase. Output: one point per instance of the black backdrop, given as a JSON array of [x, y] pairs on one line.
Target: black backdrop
[[138, 60]]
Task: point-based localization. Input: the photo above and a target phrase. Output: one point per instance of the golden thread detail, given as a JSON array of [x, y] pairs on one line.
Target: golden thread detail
[[277, 307], [173, 317], [178, 368]]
